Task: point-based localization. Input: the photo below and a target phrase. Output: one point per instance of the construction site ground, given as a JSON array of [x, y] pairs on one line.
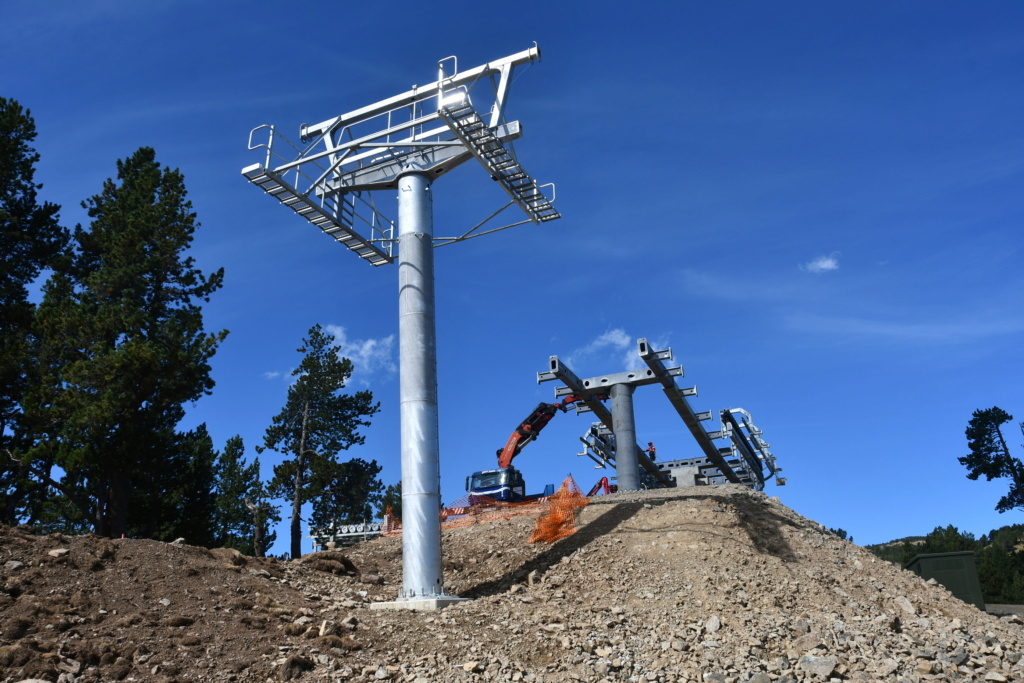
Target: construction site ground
[[717, 584]]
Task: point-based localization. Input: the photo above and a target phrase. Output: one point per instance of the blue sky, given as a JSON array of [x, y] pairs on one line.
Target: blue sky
[[817, 206]]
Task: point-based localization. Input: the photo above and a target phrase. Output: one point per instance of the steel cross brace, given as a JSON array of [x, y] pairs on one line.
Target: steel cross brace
[[588, 390], [677, 397]]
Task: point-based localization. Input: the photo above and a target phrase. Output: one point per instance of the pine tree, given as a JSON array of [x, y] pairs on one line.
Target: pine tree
[[239, 485], [122, 350], [30, 238], [391, 498], [348, 492], [990, 456], [316, 423], [264, 515]]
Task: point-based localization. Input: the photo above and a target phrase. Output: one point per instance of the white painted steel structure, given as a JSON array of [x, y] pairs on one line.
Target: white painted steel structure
[[404, 143]]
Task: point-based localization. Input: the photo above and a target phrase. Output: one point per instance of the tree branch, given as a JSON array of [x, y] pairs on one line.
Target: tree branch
[[45, 477]]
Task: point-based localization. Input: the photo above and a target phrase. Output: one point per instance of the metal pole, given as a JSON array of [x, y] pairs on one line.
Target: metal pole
[[627, 468], [421, 497]]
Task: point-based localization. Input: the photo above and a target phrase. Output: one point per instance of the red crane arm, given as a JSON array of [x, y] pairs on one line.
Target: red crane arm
[[529, 428]]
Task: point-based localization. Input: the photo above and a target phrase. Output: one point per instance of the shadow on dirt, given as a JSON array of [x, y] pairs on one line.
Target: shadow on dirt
[[761, 524], [601, 526]]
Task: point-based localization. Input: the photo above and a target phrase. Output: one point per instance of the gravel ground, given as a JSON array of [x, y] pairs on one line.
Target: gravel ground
[[717, 584]]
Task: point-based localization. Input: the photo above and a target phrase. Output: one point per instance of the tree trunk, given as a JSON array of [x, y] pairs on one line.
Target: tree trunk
[[117, 509], [300, 470]]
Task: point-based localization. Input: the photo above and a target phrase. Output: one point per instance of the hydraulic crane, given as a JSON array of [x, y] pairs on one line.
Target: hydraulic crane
[[506, 482]]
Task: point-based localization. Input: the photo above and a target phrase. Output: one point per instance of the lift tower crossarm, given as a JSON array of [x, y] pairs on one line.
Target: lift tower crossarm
[[425, 92], [588, 390], [677, 397]]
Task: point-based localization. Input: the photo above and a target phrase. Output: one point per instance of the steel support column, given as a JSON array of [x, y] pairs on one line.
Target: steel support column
[[421, 498], [627, 468]]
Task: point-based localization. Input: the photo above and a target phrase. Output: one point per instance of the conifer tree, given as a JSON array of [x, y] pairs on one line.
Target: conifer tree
[[347, 492], [123, 350], [30, 238], [391, 498], [238, 487], [264, 515], [317, 422], [991, 457]]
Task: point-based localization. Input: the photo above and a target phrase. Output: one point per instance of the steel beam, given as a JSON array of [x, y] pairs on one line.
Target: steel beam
[[745, 448], [677, 397], [422, 93]]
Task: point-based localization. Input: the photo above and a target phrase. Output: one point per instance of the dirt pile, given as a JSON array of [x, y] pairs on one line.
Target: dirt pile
[[715, 584]]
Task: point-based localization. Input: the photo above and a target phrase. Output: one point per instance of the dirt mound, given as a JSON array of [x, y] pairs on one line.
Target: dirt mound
[[716, 584]]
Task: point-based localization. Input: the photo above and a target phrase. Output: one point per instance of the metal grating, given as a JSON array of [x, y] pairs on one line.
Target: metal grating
[[502, 166], [337, 226]]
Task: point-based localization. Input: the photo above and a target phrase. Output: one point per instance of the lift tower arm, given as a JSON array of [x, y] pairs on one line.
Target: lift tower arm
[[677, 397]]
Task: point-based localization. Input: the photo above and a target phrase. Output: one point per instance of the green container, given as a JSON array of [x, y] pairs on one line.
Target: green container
[[955, 571]]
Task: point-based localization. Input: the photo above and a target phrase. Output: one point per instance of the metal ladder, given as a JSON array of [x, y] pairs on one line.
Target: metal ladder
[[337, 226], [467, 125]]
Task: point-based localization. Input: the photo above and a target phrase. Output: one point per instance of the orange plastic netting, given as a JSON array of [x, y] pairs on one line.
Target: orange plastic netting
[[560, 519], [556, 514]]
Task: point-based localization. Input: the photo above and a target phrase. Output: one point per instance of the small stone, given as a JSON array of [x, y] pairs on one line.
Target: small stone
[[71, 666], [713, 624], [58, 552], [165, 602], [995, 676], [809, 641], [13, 565], [905, 605], [178, 541], [887, 666], [820, 666], [471, 667]]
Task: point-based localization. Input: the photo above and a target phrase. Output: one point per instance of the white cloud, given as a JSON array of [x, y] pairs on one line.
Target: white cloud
[[273, 374], [371, 358], [612, 346], [822, 264]]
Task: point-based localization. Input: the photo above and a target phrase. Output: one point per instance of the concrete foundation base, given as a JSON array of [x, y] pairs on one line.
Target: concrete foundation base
[[420, 604]]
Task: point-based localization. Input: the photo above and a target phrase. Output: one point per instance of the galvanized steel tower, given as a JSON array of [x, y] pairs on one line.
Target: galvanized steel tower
[[404, 143]]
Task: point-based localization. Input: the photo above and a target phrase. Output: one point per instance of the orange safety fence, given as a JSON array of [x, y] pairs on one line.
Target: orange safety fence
[[560, 520], [557, 513]]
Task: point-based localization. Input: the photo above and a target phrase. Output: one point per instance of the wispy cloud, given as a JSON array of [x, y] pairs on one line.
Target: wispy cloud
[[273, 374], [613, 351], [914, 332], [822, 264], [371, 358]]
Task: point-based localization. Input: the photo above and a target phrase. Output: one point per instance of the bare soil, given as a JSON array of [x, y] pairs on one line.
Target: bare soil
[[717, 584]]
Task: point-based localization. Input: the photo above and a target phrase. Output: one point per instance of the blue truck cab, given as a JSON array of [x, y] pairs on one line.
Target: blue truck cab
[[503, 484]]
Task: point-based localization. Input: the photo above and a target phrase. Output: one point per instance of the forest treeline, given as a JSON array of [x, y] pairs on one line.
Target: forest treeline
[[97, 366], [998, 555]]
